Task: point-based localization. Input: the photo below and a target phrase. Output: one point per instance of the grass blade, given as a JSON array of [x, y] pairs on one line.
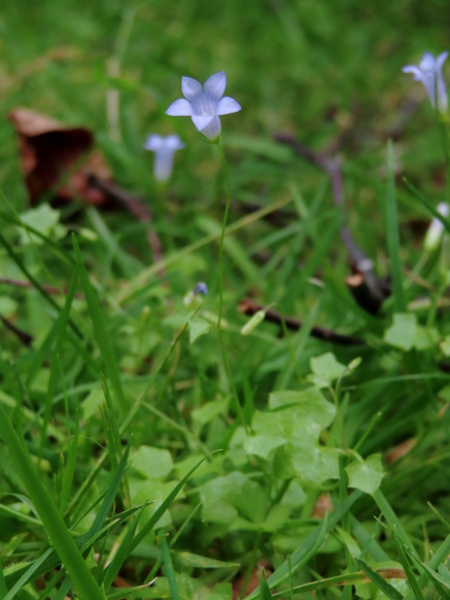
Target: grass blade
[[170, 572], [162, 509], [58, 533], [392, 238], [412, 580], [100, 332], [378, 580]]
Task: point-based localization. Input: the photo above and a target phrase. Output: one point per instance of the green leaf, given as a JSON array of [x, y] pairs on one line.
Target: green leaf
[[311, 463], [197, 327], [267, 434], [153, 491], [366, 475], [445, 346], [44, 219], [302, 414], [326, 369], [426, 338], [402, 333], [152, 463], [226, 498]]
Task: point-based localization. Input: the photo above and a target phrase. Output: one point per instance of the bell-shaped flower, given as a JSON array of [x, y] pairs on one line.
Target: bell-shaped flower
[[204, 104], [436, 228], [164, 149], [429, 73]]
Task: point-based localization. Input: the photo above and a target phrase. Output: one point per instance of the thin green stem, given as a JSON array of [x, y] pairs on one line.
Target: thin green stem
[[222, 234], [226, 361]]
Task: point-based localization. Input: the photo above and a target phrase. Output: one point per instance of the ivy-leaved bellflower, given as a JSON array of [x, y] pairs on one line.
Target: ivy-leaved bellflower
[[204, 104], [164, 149], [429, 73]]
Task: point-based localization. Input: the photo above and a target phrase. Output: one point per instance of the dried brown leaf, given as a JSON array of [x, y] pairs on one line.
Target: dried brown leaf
[[58, 159]]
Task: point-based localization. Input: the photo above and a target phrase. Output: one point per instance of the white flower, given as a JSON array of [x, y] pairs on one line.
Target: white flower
[[164, 149], [429, 73], [204, 104], [436, 229]]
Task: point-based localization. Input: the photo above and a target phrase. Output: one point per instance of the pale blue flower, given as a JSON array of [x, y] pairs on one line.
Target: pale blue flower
[[164, 149], [204, 104], [429, 73]]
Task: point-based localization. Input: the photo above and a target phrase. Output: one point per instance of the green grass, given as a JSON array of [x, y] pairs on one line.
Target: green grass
[[139, 445]]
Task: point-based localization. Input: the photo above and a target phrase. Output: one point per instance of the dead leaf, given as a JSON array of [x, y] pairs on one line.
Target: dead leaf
[[56, 158], [400, 450], [253, 582], [322, 506]]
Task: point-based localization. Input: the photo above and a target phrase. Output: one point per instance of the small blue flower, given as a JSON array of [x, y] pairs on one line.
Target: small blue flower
[[164, 149], [201, 288], [204, 104], [429, 73]]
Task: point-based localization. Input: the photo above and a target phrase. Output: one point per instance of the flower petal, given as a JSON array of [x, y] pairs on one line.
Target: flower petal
[[180, 108], [428, 62], [227, 106], [215, 85], [173, 142], [162, 167], [190, 87], [418, 75], [440, 60], [154, 142], [201, 121], [212, 131]]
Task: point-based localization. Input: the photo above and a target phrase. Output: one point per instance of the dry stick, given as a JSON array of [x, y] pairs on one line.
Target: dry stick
[[50, 289], [249, 307], [23, 336], [373, 295], [135, 206]]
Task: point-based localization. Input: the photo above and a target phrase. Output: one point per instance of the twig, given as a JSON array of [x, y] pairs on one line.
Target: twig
[[277, 217], [50, 289], [23, 336], [360, 262], [249, 307], [135, 206]]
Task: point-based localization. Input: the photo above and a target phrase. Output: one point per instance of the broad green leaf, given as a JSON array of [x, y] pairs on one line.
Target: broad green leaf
[[45, 220], [310, 463], [152, 463], [367, 475], [155, 492], [445, 346], [326, 369], [225, 498], [294, 495], [426, 338], [402, 333], [302, 414], [197, 327], [267, 434]]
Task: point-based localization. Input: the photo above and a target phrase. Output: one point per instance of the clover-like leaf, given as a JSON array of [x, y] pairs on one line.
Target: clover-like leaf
[[366, 475], [402, 333], [267, 434]]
